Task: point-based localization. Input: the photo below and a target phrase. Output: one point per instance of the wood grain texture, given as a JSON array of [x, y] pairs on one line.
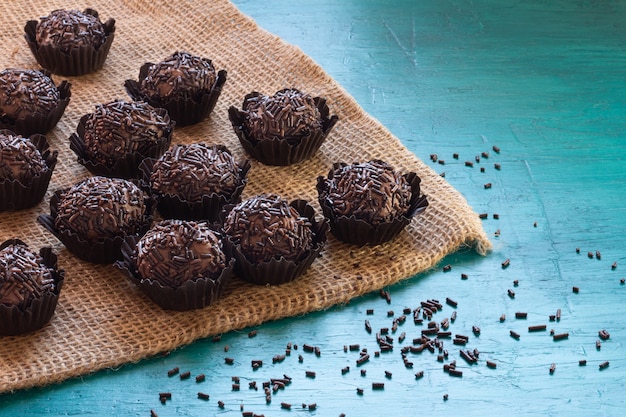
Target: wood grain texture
[[541, 80]]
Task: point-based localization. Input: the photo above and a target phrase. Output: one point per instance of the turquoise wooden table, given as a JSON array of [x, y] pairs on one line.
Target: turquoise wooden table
[[545, 82]]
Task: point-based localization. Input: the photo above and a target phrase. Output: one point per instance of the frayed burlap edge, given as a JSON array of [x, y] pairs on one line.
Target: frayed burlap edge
[[102, 320]]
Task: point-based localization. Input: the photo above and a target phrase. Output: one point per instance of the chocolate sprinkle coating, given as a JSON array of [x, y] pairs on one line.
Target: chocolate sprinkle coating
[[23, 276], [20, 159], [193, 171], [179, 76], [371, 191], [176, 251], [267, 227], [119, 128], [68, 29], [289, 114], [24, 93], [99, 208]]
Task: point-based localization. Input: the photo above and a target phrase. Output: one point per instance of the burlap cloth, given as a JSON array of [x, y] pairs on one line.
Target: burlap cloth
[[103, 320]]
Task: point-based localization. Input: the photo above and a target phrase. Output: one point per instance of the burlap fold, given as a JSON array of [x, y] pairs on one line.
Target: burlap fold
[[102, 319]]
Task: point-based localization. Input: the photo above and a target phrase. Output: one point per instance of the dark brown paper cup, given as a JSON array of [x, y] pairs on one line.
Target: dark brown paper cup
[[17, 196], [192, 295], [280, 151], [126, 167], [80, 60], [208, 208], [39, 123], [185, 112], [105, 251], [14, 320], [280, 271], [359, 232]]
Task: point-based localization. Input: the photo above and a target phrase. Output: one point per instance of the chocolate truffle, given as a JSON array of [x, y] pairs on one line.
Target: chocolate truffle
[[369, 203], [25, 92], [181, 265], [26, 166], [289, 114], [20, 160], [266, 227], [70, 42], [175, 251], [187, 85], [23, 276], [193, 171], [30, 102], [101, 208], [117, 129], [371, 191], [180, 75], [30, 284], [68, 29], [282, 129]]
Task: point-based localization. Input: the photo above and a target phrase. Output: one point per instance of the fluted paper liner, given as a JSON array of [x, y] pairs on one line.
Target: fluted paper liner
[[103, 316], [279, 271], [208, 208], [126, 167], [185, 112], [192, 295], [104, 251], [41, 123], [17, 196], [278, 151], [349, 229], [80, 60], [15, 320]]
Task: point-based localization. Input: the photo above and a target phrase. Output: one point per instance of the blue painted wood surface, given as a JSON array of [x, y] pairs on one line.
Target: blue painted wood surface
[[542, 80]]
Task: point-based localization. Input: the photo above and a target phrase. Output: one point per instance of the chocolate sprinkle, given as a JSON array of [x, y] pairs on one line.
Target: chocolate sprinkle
[[99, 208], [193, 171], [24, 93], [176, 251], [289, 114], [23, 276], [119, 128], [69, 29], [371, 191], [180, 75], [20, 159], [267, 227]]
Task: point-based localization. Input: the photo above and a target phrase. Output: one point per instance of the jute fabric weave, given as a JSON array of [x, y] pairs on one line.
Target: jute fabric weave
[[102, 320]]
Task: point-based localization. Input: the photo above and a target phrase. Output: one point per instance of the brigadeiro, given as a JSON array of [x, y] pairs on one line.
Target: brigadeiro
[[369, 203], [273, 241], [195, 181], [92, 218], [181, 265], [114, 139], [30, 284], [282, 129], [187, 85], [30, 102], [26, 166], [70, 42]]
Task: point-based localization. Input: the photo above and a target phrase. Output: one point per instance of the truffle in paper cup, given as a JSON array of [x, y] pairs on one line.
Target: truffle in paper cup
[[17, 194], [37, 304], [283, 129], [93, 217], [30, 102], [109, 147], [188, 100], [282, 261], [194, 182], [179, 265], [368, 204], [82, 53]]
